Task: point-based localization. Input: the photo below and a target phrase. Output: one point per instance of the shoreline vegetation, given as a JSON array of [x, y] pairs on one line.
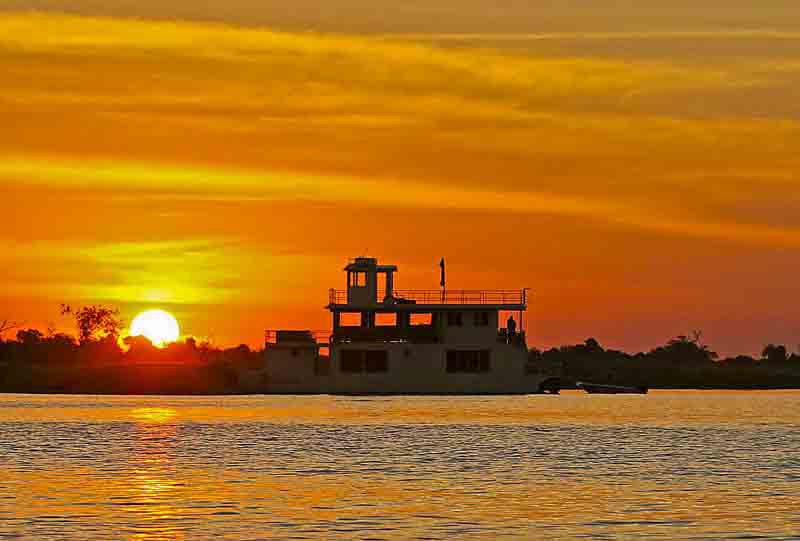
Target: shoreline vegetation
[[98, 361]]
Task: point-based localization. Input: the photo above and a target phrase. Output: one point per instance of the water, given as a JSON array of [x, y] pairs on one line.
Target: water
[[670, 465]]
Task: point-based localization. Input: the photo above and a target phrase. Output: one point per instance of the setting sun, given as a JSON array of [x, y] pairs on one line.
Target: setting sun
[[157, 326]]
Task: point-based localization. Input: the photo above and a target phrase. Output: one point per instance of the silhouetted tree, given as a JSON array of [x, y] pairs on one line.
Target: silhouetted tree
[[140, 349], [95, 322], [7, 325], [684, 349], [593, 346], [29, 337], [740, 360], [185, 352], [534, 355], [775, 354], [61, 340], [31, 346]]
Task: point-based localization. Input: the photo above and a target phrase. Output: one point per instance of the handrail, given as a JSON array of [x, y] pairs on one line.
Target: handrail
[[448, 296], [271, 336]]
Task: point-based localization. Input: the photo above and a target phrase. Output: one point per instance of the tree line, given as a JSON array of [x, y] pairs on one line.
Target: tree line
[[97, 360], [683, 362], [98, 340], [39, 361]]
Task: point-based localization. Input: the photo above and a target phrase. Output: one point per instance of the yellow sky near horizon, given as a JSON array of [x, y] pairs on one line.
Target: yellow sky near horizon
[[227, 172]]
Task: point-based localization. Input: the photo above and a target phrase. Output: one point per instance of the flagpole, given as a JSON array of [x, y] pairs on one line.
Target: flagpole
[[442, 280]]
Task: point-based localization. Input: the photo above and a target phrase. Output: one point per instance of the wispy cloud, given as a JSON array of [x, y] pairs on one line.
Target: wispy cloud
[[183, 183], [249, 68]]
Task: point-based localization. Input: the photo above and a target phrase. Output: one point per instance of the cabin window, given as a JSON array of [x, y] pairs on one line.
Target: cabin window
[[350, 319], [352, 361], [356, 361], [359, 279], [386, 320], [481, 319], [421, 319], [468, 361], [377, 360], [454, 319]]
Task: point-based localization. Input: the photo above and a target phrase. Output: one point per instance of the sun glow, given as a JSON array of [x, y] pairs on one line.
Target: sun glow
[[157, 326]]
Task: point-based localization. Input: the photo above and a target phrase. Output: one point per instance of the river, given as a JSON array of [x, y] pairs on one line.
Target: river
[[669, 465]]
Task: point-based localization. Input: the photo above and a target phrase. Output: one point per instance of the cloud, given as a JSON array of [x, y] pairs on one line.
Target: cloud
[[449, 16], [332, 104], [183, 183], [214, 111], [191, 271], [254, 69]]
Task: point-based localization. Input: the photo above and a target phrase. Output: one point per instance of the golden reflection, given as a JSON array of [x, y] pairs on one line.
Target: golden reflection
[[153, 484], [153, 415], [157, 537]]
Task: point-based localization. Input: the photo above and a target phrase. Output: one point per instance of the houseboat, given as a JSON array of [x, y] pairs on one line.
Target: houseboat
[[388, 341]]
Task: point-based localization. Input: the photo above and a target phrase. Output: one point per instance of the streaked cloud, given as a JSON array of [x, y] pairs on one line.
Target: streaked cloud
[[258, 67], [210, 184]]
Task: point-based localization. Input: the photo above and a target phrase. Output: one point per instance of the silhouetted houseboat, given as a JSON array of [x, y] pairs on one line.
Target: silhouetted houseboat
[[385, 341]]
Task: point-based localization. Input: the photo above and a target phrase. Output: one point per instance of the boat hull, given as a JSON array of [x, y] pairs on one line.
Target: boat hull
[[359, 368]]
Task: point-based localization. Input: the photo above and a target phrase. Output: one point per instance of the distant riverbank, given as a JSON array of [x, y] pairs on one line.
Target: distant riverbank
[[223, 378], [208, 380], [57, 363]]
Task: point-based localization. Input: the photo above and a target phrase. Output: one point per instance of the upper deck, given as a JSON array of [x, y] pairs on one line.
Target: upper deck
[[370, 288], [426, 300]]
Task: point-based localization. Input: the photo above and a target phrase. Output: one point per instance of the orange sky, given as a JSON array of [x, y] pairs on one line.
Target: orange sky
[[637, 168]]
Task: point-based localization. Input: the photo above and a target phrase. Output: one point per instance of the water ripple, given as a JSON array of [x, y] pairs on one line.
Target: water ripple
[[148, 468]]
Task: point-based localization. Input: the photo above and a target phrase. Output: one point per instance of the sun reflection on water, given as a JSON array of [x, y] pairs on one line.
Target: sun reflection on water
[[153, 414], [153, 487]]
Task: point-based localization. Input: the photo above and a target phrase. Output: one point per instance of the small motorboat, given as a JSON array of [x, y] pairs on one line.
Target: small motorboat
[[602, 388], [550, 386]]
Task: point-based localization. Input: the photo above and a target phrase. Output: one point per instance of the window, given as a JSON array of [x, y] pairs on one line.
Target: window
[[421, 319], [377, 361], [386, 320], [468, 361], [351, 362], [454, 319], [481, 319], [359, 279], [356, 361], [350, 319]]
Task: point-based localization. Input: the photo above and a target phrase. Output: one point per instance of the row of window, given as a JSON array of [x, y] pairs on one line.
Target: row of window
[[357, 361], [357, 279], [453, 319], [479, 319], [468, 361]]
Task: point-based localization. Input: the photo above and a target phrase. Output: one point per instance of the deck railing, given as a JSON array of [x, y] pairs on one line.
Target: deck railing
[[274, 336], [448, 296], [415, 333]]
